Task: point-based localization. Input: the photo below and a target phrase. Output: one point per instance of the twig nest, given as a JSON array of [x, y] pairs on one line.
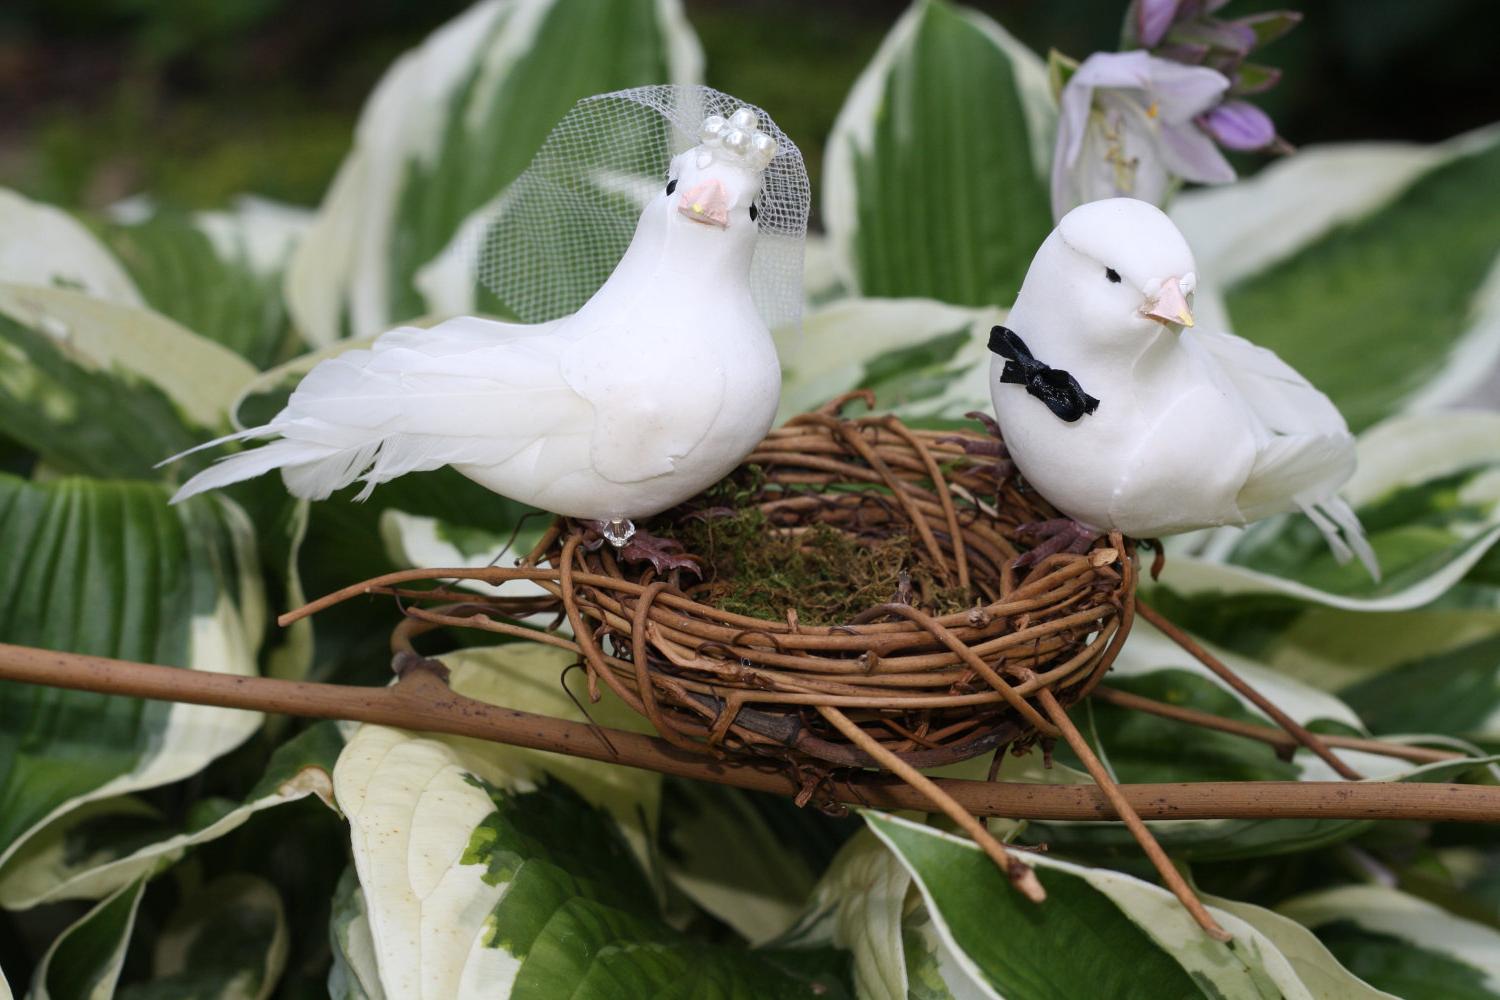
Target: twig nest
[[945, 666]]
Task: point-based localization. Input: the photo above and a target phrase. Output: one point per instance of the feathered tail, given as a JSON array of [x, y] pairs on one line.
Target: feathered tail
[[407, 404], [1343, 532]]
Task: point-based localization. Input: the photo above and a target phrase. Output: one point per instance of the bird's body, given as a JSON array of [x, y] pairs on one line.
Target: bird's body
[[652, 391], [1193, 429]]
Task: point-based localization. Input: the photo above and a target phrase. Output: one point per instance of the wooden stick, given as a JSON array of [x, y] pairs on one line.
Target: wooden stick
[[1169, 873], [1295, 729], [422, 702], [1021, 876], [1278, 738]]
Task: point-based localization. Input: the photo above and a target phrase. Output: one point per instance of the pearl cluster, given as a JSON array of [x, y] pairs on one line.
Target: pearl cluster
[[738, 137]]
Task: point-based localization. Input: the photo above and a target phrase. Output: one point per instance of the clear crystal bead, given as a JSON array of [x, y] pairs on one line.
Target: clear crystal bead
[[618, 531]]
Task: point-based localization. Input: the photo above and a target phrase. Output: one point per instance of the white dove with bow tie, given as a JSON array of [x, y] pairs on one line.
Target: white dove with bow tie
[[648, 393], [1127, 419]]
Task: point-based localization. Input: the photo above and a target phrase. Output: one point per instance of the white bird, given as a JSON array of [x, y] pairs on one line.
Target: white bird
[[652, 391], [1126, 420]]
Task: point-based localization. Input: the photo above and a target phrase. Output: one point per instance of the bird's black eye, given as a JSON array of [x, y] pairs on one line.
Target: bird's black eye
[[753, 212], [1109, 272], [671, 185]]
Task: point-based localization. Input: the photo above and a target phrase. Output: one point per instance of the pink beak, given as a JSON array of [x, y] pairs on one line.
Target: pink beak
[[1169, 305], [707, 203]]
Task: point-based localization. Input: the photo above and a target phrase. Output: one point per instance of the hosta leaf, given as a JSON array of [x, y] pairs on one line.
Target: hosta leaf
[[1314, 963], [482, 876], [412, 541], [413, 803], [1375, 253], [1456, 693], [724, 852], [104, 389], [448, 127], [1428, 492], [858, 905], [96, 848], [107, 568], [46, 247], [579, 917], [1401, 944], [922, 358], [934, 183], [353, 975], [84, 962], [1099, 933], [228, 941], [218, 273]]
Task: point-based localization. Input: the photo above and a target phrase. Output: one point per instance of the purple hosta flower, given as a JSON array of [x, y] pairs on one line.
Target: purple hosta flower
[[1129, 125], [1187, 31], [1239, 125]]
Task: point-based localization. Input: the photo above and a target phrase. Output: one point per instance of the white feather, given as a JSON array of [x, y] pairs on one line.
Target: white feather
[[651, 392], [1193, 429]]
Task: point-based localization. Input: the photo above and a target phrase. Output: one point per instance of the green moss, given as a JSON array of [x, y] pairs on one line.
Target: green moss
[[754, 567]]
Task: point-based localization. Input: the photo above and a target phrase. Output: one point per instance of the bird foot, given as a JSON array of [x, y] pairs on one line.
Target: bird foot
[[1061, 534]]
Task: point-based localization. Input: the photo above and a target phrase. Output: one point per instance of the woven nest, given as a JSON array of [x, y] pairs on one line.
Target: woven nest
[[901, 679]]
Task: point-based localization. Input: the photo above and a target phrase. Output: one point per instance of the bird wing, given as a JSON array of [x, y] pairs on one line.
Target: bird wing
[[642, 431], [466, 391], [1304, 451]]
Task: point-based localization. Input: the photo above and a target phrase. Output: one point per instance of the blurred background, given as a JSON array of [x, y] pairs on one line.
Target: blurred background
[[199, 100]]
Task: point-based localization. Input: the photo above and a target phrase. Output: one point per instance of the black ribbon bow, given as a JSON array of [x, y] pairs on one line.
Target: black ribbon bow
[[1053, 386]]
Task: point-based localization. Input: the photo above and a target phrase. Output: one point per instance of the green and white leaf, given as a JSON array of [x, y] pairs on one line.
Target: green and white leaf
[[1455, 692], [1100, 932], [354, 974], [1370, 251], [1403, 944], [227, 941], [721, 851], [935, 180], [105, 389], [1428, 492], [1333, 649], [1313, 963], [413, 804], [91, 851], [84, 962], [218, 273], [107, 568], [858, 905], [922, 358], [412, 540], [451, 124], [45, 247]]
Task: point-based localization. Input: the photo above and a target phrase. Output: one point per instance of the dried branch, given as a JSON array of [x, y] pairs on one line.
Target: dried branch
[[1283, 742], [422, 702], [1296, 730]]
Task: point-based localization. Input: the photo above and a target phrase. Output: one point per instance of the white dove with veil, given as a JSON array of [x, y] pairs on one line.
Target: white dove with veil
[[1126, 419], [649, 391]]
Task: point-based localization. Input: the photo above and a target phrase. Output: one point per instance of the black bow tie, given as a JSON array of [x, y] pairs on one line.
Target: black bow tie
[[1053, 386]]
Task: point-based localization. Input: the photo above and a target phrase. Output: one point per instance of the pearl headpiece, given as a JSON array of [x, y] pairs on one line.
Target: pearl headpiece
[[558, 231], [737, 138]]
